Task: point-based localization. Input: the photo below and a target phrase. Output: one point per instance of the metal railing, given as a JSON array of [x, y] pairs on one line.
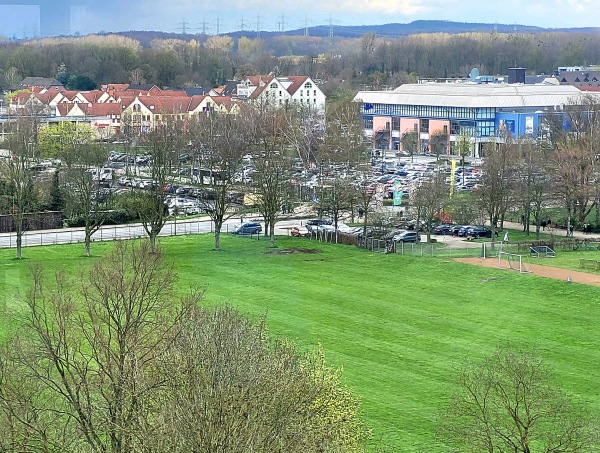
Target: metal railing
[[106, 233]]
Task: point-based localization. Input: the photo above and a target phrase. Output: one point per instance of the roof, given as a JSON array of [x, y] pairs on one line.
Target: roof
[[297, 82], [196, 91], [42, 82], [473, 95], [102, 109], [229, 89], [143, 87]]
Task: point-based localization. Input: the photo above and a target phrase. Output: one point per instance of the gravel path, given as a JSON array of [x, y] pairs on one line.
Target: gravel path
[[538, 270]]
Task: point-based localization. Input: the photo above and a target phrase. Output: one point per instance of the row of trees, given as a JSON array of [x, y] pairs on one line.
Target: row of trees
[[558, 171], [216, 144], [211, 60]]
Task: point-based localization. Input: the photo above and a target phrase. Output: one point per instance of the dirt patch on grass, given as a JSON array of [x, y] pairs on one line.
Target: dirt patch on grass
[[557, 273], [290, 251]]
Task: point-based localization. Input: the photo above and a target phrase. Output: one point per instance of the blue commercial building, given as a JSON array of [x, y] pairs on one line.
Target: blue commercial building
[[483, 112]]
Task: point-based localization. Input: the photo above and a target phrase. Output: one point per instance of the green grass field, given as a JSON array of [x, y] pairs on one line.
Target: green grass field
[[398, 325]]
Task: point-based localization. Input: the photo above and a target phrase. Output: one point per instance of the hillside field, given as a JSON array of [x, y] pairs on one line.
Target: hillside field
[[399, 326]]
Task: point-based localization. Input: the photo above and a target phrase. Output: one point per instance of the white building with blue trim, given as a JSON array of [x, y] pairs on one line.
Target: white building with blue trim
[[483, 112]]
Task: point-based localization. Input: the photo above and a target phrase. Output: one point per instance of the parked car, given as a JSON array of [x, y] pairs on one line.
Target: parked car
[[480, 232], [312, 224], [248, 228], [442, 229], [343, 228], [407, 236], [299, 231]]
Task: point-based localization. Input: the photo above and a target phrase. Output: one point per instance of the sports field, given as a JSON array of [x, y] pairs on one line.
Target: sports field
[[398, 325]]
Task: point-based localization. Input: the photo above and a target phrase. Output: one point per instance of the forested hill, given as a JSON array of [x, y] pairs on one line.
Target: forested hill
[[385, 30]]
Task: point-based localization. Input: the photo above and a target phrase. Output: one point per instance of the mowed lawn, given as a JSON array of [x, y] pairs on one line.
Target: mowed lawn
[[399, 326]]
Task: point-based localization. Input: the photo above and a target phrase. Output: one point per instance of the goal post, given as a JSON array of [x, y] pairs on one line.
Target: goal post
[[513, 262]]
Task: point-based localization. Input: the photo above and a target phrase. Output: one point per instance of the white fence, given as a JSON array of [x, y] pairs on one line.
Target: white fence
[[108, 233]]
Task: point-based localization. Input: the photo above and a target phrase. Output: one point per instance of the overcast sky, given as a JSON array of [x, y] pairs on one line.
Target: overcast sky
[[163, 15]]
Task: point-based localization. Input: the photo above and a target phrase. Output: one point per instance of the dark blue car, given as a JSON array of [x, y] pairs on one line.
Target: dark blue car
[[248, 228]]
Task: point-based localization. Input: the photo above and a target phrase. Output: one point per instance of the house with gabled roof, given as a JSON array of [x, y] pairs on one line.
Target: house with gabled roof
[[300, 90], [31, 103]]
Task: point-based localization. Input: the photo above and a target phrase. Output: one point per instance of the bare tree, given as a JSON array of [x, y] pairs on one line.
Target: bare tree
[[438, 143], [18, 184], [496, 191], [533, 182], [574, 179], [272, 174], [304, 132], [430, 198], [508, 403], [220, 142], [92, 355], [84, 200], [163, 143]]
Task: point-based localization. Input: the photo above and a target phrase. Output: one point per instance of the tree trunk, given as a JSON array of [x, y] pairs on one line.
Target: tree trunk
[[217, 238], [87, 244], [19, 243], [272, 235], [152, 238]]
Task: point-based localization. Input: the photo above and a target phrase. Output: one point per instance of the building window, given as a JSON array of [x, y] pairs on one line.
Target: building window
[[396, 124], [315, 92], [274, 86], [415, 127], [445, 128], [424, 123], [308, 85], [301, 93]]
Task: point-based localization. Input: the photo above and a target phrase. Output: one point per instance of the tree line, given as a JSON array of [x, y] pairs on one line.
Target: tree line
[[372, 61]]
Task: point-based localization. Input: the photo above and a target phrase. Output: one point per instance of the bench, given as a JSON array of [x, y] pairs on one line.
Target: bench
[[589, 264]]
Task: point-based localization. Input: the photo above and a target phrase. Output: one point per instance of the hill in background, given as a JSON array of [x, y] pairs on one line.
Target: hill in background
[[385, 30]]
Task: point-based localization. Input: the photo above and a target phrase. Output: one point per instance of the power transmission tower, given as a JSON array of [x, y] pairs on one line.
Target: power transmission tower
[[330, 27], [183, 26], [203, 27], [218, 25], [242, 25], [258, 26], [282, 24], [305, 26]]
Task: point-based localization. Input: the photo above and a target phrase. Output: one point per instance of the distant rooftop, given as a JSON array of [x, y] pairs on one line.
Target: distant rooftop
[[474, 95]]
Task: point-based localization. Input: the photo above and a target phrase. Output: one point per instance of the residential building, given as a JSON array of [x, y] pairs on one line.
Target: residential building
[[299, 90]]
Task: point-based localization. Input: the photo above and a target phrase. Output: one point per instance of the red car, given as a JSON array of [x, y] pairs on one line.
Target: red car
[[299, 231]]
